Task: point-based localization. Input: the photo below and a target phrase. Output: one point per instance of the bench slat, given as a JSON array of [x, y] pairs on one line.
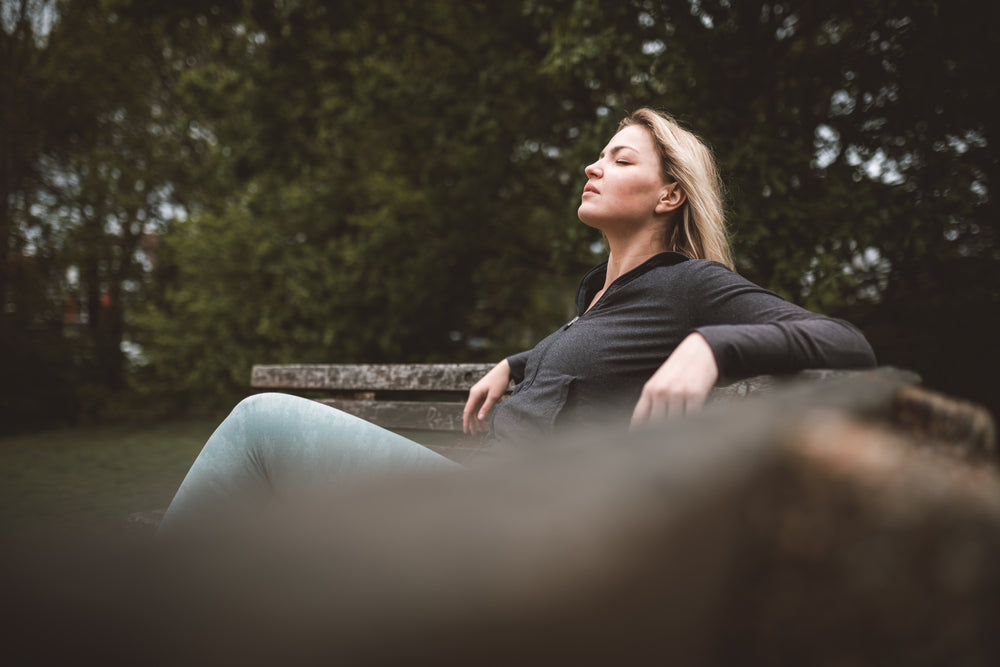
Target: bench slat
[[369, 377], [438, 415], [424, 415]]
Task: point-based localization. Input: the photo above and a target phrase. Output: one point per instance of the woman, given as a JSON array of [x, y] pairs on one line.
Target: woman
[[656, 329], [659, 324]]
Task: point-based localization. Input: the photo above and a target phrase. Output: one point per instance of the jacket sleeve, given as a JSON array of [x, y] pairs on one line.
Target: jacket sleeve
[[753, 331], [518, 362]]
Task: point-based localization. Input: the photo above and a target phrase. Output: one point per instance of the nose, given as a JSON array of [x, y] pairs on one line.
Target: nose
[[592, 170]]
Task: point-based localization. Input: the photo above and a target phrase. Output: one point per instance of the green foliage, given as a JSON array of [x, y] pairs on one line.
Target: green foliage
[[90, 159], [382, 202], [855, 140], [247, 181]]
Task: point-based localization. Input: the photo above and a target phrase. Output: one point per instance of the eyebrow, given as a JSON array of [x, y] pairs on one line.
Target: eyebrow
[[618, 149]]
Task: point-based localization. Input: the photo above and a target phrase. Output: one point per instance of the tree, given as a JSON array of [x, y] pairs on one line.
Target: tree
[[244, 181], [447, 140], [389, 195], [856, 141], [89, 165]]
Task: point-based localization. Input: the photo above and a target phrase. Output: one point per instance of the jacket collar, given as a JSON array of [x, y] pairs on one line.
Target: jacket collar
[[593, 281]]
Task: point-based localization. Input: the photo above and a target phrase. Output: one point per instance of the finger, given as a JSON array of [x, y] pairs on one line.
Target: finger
[[469, 411], [465, 415], [661, 407], [472, 418], [487, 407], [675, 406], [483, 416], [695, 403], [641, 413]]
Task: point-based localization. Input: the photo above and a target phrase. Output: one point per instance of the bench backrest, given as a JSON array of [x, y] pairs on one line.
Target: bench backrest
[[419, 396], [396, 396]]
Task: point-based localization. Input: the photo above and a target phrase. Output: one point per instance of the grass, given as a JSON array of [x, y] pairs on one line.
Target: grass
[[88, 480]]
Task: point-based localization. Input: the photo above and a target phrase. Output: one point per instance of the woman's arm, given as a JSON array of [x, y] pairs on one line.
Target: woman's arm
[[518, 362], [742, 330], [483, 396], [753, 331], [681, 384]]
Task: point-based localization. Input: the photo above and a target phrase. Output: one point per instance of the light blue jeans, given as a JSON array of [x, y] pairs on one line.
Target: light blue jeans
[[272, 443]]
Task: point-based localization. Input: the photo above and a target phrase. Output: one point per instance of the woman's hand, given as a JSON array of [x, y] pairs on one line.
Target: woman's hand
[[681, 384], [483, 396]]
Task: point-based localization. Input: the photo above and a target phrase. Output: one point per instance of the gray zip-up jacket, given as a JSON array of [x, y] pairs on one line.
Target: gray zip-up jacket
[[594, 367]]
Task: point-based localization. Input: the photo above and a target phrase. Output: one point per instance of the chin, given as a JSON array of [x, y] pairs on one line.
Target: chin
[[588, 220]]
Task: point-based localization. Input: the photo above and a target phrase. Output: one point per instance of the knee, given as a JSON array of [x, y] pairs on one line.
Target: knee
[[254, 411], [270, 401], [253, 404], [260, 401]]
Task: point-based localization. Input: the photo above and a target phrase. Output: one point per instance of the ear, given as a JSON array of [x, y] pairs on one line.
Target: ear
[[671, 198]]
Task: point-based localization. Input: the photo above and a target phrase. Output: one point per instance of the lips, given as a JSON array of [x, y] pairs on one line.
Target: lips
[[590, 188]]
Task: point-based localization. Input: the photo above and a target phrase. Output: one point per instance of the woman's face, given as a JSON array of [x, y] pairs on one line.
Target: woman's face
[[625, 185]]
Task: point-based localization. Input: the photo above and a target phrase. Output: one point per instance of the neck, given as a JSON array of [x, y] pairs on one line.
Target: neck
[[628, 252]]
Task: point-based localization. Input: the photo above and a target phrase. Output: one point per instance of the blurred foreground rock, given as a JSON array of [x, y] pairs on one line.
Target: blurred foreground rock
[[853, 522]]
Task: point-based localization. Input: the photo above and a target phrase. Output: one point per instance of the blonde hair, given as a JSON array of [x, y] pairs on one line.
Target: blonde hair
[[700, 231]]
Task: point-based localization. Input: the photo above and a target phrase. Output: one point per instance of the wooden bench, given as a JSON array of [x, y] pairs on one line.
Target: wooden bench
[[430, 398], [427, 397]]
